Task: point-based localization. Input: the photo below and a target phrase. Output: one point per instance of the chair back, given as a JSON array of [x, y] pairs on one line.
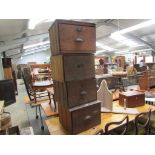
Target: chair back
[[145, 125], [27, 81], [124, 126], [104, 95]]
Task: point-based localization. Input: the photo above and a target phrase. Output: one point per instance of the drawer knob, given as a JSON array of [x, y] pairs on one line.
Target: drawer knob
[[83, 93], [80, 65], [79, 40], [79, 29], [87, 117]]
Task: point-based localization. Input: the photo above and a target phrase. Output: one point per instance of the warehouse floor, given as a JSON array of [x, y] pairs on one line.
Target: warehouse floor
[[23, 115]]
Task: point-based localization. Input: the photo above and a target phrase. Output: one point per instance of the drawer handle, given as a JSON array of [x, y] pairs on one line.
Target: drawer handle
[[80, 65], [95, 111], [83, 93], [87, 117], [79, 40], [79, 29]]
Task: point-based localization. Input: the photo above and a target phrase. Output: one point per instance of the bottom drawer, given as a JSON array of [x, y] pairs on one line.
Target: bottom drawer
[[81, 118]]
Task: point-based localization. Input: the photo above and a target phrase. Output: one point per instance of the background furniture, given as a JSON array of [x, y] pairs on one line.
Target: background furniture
[[131, 99], [104, 95], [9, 72], [7, 92], [72, 45]]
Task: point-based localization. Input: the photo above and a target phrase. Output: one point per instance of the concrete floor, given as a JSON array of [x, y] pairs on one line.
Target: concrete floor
[[23, 115]]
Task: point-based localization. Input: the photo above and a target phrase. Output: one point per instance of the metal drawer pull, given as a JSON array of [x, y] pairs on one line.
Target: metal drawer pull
[[79, 40], [95, 111], [80, 65], [83, 93], [79, 29], [87, 117]]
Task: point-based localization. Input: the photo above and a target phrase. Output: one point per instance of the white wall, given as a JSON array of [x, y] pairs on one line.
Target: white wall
[[39, 57]]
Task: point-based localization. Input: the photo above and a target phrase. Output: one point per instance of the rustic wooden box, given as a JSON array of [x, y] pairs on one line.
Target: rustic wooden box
[[133, 99], [75, 93], [72, 37], [73, 67], [80, 118]]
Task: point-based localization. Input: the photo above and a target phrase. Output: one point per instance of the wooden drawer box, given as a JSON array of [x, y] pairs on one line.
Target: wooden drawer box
[[72, 37], [81, 118], [133, 99], [73, 67], [75, 93]]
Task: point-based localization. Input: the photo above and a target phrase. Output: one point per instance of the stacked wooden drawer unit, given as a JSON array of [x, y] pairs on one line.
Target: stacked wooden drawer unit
[[73, 44]]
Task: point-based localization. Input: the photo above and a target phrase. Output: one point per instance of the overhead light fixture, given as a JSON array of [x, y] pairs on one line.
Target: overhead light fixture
[[136, 27], [129, 42], [34, 51], [34, 45], [104, 46], [34, 22], [101, 51], [118, 36]]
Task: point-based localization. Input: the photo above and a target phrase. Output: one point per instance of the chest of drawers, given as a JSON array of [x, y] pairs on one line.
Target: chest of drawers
[[73, 67], [72, 37]]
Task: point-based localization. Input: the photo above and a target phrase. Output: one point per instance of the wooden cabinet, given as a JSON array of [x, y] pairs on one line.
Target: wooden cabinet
[[73, 71], [73, 67], [132, 99], [75, 93], [72, 37]]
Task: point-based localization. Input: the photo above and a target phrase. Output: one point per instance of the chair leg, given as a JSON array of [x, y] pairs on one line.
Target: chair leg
[[54, 103], [36, 112], [42, 125]]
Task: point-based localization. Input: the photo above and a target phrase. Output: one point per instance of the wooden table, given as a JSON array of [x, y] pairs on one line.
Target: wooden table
[[55, 127]]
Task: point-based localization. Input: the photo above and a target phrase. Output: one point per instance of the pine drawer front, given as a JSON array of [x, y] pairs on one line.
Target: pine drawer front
[[73, 67], [83, 117], [72, 37], [76, 93]]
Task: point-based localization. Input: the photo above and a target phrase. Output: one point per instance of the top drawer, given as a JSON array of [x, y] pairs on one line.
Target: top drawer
[[72, 37]]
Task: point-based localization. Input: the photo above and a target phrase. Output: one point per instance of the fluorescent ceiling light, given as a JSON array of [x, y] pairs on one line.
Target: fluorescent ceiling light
[[121, 52], [136, 27], [101, 51], [34, 22], [34, 45], [35, 51], [129, 42], [142, 50], [104, 46]]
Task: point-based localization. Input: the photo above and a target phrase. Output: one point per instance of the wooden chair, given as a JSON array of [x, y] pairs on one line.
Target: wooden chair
[[104, 95], [141, 123], [37, 99], [115, 131]]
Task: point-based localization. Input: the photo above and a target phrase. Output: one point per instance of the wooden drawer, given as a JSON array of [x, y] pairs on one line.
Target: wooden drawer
[[133, 99], [75, 93], [72, 37], [73, 67], [81, 118]]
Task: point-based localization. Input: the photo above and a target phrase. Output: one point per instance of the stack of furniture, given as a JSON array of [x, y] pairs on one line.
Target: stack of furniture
[[73, 44]]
